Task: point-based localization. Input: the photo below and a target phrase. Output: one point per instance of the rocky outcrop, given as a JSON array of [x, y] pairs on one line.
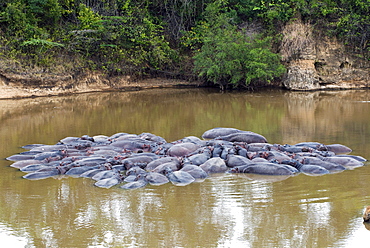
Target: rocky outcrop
[[315, 61]]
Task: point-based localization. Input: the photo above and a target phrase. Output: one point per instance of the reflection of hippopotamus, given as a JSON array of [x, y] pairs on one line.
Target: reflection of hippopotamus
[[366, 215]]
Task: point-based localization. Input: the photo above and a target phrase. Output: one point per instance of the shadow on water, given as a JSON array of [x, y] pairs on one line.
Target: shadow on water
[[223, 211]]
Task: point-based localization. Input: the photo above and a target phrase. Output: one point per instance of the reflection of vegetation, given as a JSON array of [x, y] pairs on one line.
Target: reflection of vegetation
[[70, 212], [323, 116]]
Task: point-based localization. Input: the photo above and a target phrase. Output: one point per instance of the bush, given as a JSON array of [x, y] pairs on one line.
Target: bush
[[229, 57]]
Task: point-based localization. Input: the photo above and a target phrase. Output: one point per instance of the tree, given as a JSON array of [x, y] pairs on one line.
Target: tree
[[230, 57]]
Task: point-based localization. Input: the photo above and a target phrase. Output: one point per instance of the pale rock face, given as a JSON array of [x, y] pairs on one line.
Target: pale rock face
[[315, 61]]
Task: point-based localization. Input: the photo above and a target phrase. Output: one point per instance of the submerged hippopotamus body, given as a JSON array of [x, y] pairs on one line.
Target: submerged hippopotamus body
[[136, 161]]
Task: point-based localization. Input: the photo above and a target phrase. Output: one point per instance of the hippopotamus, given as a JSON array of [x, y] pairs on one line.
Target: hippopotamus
[[152, 137], [259, 160], [244, 136], [146, 158], [191, 139], [339, 149], [36, 167], [101, 139], [237, 160], [141, 161], [312, 169], [327, 165], [358, 158], [274, 155], [240, 150], [30, 153], [366, 215], [264, 169], [155, 163], [347, 162], [22, 163], [50, 156], [309, 169], [182, 149], [258, 147], [155, 178], [42, 174], [91, 173], [152, 178], [100, 152], [77, 171], [130, 178], [138, 183], [31, 146], [108, 182], [217, 150], [116, 136], [197, 159], [105, 174], [179, 178], [89, 161], [68, 140], [218, 132], [214, 165], [136, 145], [195, 171], [293, 148], [313, 145], [49, 148], [20, 157], [136, 170], [174, 166]]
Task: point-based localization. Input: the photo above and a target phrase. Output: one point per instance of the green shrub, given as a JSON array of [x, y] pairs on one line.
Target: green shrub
[[229, 57]]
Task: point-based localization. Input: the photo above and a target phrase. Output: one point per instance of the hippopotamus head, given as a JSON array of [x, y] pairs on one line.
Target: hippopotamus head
[[367, 214]]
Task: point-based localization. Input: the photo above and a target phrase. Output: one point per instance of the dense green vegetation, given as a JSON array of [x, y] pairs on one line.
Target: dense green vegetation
[[226, 42]]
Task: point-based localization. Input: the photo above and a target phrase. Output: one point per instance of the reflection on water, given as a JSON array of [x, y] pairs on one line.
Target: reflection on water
[[223, 211]]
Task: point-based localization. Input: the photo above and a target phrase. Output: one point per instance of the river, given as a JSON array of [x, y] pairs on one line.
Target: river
[[226, 210]]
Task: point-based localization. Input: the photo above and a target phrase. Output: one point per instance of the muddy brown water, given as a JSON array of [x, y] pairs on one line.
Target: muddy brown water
[[223, 211]]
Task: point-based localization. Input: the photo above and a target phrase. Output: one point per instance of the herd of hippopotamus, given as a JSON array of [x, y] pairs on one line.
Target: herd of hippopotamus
[[133, 161]]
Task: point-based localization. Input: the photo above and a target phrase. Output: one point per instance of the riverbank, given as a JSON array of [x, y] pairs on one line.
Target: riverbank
[[23, 85]]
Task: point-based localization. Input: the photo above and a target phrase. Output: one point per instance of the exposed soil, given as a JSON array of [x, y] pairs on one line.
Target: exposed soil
[[16, 85]]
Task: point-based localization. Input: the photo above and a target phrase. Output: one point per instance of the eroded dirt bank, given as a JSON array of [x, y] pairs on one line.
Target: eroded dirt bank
[[22, 85]]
